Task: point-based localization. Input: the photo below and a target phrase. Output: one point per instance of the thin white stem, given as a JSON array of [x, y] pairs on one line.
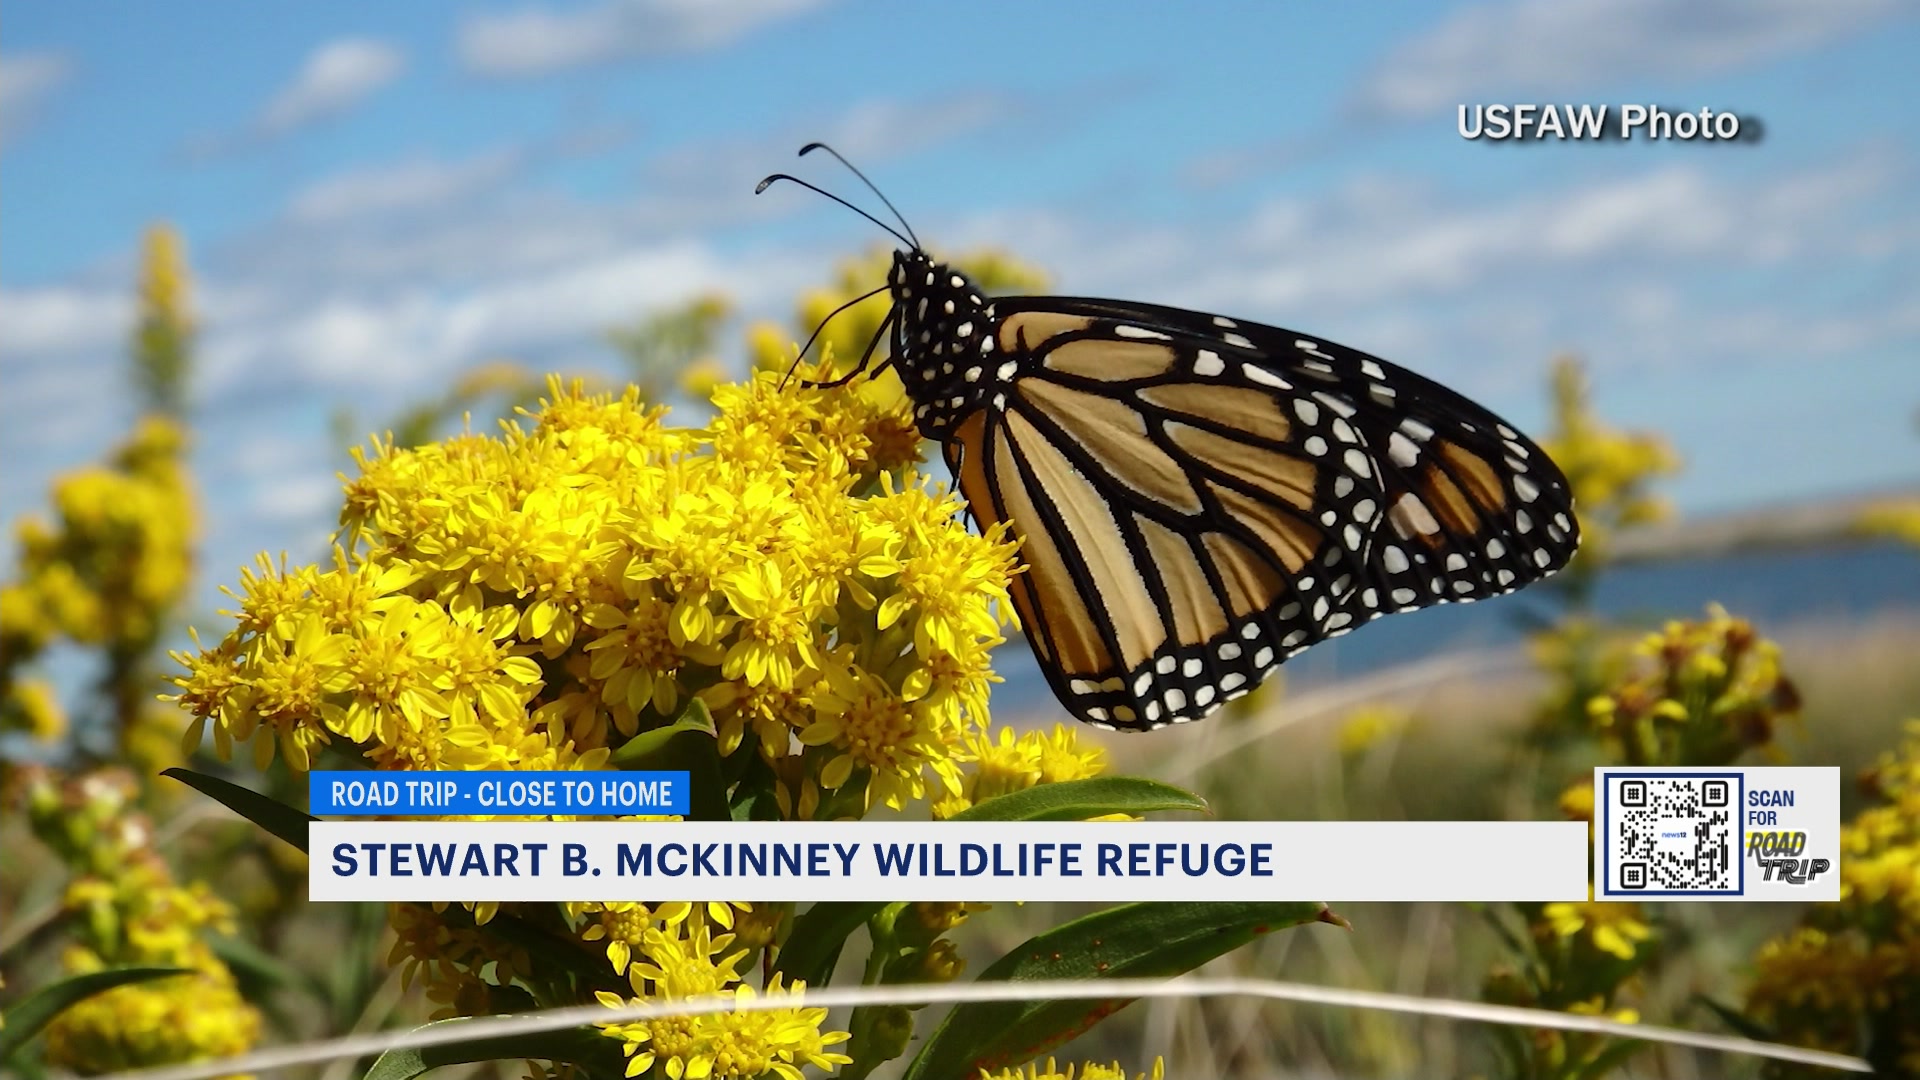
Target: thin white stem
[[574, 1016]]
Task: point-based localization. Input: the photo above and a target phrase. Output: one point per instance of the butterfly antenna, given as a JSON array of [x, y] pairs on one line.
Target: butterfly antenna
[[871, 186], [823, 325], [769, 181], [864, 358]]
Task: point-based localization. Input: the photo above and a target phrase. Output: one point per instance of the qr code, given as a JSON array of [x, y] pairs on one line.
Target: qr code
[[1672, 833]]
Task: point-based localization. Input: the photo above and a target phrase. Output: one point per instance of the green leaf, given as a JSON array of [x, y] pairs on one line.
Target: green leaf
[[1606, 1061], [1737, 1020], [277, 818], [639, 751], [255, 965], [260, 973], [577, 1046], [1133, 940], [1078, 800], [813, 946], [587, 965], [26, 1019], [691, 745]]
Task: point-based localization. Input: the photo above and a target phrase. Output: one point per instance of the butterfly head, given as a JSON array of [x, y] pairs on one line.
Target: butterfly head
[[943, 340]]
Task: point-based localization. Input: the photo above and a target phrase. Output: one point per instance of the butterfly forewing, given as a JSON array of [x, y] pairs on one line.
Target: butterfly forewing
[[1200, 498]]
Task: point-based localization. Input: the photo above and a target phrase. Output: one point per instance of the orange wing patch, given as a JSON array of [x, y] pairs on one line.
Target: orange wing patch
[[1292, 540], [1196, 611], [1253, 411], [1112, 361], [1287, 478], [1090, 528], [1028, 330], [1116, 436], [1250, 581]]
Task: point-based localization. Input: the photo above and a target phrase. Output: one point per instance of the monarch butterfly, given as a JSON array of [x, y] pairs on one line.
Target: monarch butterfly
[[1200, 498]]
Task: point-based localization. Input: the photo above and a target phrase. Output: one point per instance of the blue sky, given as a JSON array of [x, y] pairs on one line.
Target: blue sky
[[378, 195]]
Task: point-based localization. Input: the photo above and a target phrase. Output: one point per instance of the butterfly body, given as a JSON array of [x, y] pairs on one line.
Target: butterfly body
[[1200, 498], [946, 323]]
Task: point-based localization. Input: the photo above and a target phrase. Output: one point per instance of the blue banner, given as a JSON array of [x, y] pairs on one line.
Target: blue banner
[[361, 793]]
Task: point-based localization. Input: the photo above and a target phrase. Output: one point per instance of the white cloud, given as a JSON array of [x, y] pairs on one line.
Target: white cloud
[[25, 81], [62, 319], [536, 41], [337, 76], [867, 133], [1533, 47], [1671, 269], [403, 186]]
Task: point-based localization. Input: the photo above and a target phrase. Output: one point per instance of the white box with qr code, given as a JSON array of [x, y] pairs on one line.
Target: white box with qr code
[[1725, 833]]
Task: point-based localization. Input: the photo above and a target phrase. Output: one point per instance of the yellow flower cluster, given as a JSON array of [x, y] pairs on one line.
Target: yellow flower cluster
[[1088, 1071], [105, 573], [162, 340], [33, 707], [533, 600], [537, 599], [1848, 979], [1701, 693], [119, 557], [1003, 763], [129, 912], [1611, 471], [683, 959], [1369, 726], [1612, 927]]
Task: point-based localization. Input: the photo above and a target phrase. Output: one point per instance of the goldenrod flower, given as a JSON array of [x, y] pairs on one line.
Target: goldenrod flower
[[1696, 693], [1847, 973], [1368, 726], [35, 709], [1612, 927], [1088, 1071], [684, 962], [622, 924], [1611, 472], [537, 598], [1002, 763], [870, 726]]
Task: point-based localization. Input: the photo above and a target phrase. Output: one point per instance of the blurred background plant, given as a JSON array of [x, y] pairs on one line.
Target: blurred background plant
[[1848, 977]]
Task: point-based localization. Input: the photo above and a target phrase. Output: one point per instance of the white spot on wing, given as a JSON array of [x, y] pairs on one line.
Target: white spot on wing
[[1402, 451], [1264, 377], [1333, 401], [1414, 513]]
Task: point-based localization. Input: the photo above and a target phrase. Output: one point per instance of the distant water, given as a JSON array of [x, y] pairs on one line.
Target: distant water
[[1774, 589]]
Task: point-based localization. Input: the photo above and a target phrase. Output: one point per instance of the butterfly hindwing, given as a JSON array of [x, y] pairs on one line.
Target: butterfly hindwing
[[1200, 498]]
